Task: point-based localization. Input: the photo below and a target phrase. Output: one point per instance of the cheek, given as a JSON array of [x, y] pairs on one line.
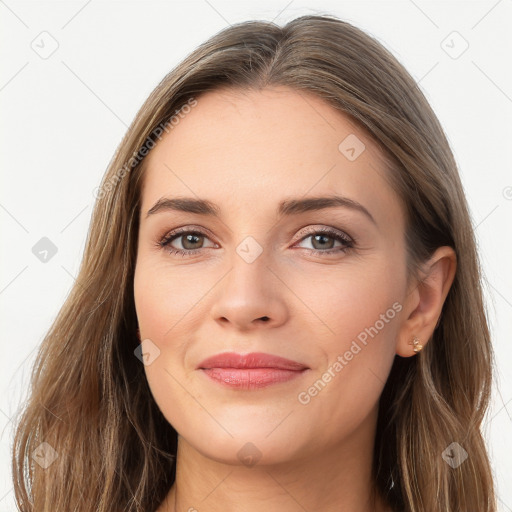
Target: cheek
[[359, 324], [168, 306], [356, 322], [352, 303], [164, 297]]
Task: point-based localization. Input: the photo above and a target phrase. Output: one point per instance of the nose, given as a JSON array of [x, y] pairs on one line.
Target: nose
[[250, 296]]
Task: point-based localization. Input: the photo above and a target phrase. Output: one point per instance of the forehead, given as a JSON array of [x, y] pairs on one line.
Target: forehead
[[250, 149]]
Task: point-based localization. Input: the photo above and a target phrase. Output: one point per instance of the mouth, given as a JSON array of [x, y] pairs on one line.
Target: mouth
[[250, 371]]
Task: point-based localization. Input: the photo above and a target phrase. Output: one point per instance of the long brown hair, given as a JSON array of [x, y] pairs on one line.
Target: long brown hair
[[109, 445]]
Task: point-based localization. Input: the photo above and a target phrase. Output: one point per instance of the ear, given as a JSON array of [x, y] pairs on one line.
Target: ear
[[425, 299]]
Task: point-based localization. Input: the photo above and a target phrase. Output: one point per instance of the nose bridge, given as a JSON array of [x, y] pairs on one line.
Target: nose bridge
[[249, 275]]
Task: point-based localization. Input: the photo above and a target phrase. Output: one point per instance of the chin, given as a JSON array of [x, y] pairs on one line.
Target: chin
[[249, 448]]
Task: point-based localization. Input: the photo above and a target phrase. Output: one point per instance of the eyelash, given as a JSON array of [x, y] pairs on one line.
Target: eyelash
[[173, 235]]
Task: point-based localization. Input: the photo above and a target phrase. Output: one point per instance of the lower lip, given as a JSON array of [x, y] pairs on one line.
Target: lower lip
[[251, 378]]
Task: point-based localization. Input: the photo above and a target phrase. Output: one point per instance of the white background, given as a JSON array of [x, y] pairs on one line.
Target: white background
[[63, 117]]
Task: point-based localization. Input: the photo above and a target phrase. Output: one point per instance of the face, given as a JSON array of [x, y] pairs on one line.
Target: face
[[268, 271]]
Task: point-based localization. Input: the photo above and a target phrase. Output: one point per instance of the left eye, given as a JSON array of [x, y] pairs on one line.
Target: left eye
[[318, 240]]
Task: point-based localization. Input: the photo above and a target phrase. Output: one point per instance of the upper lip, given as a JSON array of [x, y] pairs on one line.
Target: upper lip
[[252, 360]]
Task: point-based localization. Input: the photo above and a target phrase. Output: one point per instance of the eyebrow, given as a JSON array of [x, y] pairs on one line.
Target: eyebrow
[[286, 207]]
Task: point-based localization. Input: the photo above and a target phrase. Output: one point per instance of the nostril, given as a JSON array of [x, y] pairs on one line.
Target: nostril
[[265, 318]]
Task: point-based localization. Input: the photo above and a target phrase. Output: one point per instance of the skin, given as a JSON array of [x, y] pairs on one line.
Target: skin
[[246, 152]]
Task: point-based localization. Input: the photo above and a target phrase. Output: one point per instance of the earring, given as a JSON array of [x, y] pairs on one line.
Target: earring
[[416, 344]]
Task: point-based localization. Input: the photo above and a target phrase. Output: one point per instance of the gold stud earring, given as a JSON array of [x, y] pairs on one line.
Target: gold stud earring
[[416, 344]]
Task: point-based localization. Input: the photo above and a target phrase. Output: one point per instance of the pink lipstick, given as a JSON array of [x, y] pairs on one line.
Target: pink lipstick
[[250, 371]]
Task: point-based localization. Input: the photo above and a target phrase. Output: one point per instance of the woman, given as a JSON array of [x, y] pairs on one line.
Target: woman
[[279, 304]]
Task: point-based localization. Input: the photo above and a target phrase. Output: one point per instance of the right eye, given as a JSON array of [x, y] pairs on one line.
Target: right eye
[[188, 238]]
